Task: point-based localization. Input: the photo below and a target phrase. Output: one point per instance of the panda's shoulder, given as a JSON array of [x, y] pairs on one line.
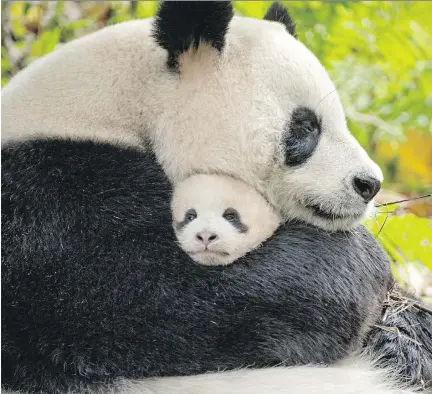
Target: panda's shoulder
[[114, 44], [52, 172]]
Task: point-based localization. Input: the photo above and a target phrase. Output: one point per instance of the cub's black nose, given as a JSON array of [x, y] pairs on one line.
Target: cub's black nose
[[366, 187], [206, 237]]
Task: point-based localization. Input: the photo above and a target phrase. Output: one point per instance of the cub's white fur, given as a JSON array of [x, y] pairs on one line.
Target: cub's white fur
[[210, 197], [222, 114]]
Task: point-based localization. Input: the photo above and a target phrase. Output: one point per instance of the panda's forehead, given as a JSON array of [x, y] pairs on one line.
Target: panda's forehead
[[284, 71], [212, 195], [262, 69], [211, 203], [272, 50]]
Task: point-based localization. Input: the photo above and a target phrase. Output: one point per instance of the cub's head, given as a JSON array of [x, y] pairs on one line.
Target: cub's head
[[251, 101], [218, 219]]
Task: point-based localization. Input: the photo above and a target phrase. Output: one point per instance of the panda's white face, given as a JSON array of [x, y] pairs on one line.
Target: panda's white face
[[266, 112], [218, 219], [332, 189]]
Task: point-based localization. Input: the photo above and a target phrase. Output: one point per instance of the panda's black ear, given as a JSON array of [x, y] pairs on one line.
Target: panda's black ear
[[182, 25], [278, 13]]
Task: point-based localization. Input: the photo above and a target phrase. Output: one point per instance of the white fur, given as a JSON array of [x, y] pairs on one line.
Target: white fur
[[223, 114], [354, 376], [349, 377], [210, 196]]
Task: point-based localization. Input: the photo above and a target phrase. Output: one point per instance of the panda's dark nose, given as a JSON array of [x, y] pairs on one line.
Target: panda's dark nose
[[206, 237], [366, 187]]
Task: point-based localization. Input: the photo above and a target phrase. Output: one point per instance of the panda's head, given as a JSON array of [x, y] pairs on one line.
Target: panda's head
[[218, 219], [252, 101]]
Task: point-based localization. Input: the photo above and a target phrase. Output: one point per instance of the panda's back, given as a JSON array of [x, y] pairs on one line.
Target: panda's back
[[89, 86], [95, 287]]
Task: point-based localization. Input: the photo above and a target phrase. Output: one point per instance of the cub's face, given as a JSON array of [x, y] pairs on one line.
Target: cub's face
[[265, 111], [212, 235], [218, 219]]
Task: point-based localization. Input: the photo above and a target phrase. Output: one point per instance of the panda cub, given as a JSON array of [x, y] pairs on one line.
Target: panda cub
[[217, 219]]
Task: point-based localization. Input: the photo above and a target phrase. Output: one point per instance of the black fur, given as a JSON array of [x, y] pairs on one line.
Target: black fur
[[95, 287], [278, 13], [403, 339], [302, 136], [233, 217], [182, 25]]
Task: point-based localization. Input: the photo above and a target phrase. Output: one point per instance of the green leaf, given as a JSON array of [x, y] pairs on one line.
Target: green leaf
[[406, 238], [46, 42]]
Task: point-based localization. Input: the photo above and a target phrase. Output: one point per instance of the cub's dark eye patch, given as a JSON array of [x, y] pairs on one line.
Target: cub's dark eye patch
[[190, 215], [232, 216], [302, 135]]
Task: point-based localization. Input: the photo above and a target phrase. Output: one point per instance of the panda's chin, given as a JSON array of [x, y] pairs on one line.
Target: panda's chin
[[336, 221], [327, 219], [332, 216], [208, 257]]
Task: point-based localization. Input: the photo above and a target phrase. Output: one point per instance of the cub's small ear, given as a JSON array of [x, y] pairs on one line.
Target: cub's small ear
[[182, 25], [278, 13]]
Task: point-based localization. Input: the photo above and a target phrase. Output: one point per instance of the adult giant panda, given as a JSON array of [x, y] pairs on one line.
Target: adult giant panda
[[94, 287]]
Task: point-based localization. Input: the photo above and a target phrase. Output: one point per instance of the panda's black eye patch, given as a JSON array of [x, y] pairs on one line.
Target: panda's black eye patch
[[190, 215], [302, 135], [232, 216]]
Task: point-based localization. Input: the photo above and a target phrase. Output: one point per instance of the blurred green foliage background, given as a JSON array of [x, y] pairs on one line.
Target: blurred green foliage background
[[379, 55]]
